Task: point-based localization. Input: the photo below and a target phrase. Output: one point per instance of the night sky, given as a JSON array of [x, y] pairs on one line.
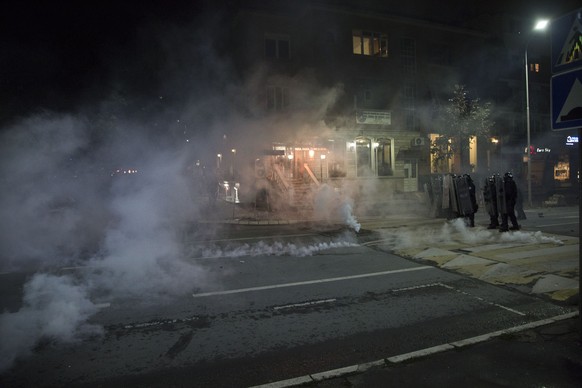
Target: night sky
[[60, 55], [54, 56]]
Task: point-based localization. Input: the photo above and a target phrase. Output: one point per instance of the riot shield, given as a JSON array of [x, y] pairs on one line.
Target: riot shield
[[437, 194], [447, 183], [500, 191], [465, 205], [453, 193], [490, 197]]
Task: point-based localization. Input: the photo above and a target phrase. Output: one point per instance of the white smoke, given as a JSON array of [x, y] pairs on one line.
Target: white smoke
[[274, 249], [456, 231], [64, 208], [348, 216], [46, 198], [333, 205], [55, 308]]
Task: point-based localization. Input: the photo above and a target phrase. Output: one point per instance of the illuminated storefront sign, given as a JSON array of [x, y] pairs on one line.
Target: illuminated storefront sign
[[571, 140], [378, 117]]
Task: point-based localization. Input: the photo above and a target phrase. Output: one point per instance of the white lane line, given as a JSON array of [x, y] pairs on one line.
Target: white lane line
[[358, 368], [318, 281], [417, 287], [304, 304], [461, 292]]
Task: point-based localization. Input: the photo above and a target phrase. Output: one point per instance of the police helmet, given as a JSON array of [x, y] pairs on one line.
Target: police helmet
[[509, 175]]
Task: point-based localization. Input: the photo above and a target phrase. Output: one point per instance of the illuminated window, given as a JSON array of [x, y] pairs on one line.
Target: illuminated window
[[277, 46], [562, 170], [277, 98], [363, 157], [370, 43], [534, 67], [384, 157]]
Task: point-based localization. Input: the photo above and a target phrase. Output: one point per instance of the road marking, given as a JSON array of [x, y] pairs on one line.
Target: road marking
[[308, 282], [305, 304], [142, 325], [359, 368], [461, 292]]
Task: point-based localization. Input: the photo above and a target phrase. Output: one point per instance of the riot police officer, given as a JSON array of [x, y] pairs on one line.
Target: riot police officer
[[509, 195], [473, 198], [490, 199]]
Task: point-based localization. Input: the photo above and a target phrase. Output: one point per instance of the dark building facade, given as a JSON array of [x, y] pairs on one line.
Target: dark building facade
[[377, 77], [352, 90]]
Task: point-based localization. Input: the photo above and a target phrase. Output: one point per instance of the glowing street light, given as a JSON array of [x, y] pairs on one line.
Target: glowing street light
[[540, 26]]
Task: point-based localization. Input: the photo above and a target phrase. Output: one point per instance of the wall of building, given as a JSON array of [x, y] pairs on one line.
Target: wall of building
[[424, 61]]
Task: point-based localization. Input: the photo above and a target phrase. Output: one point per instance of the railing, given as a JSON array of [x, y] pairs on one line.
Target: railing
[[279, 178], [311, 174]]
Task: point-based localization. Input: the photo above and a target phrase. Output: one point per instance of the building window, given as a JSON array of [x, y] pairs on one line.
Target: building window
[[370, 43], [363, 157], [277, 98], [277, 47], [383, 150], [562, 170], [440, 54], [534, 67], [408, 56]]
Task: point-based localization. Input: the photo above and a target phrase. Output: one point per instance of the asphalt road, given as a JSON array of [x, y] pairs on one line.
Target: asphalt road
[[273, 304]]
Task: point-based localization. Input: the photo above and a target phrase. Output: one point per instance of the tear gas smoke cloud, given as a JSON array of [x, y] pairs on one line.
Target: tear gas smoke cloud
[[457, 231], [41, 202], [333, 206], [274, 249], [55, 308], [64, 207]]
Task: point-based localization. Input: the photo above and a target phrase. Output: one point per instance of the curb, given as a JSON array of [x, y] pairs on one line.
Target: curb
[[388, 361]]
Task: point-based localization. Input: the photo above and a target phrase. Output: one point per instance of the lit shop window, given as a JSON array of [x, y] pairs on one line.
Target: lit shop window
[[562, 171], [534, 67], [370, 43], [383, 149]]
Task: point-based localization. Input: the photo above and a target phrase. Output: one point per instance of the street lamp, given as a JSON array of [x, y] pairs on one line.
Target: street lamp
[[540, 26]]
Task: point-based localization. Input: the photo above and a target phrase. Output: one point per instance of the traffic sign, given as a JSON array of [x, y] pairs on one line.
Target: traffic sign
[[566, 93], [567, 42]]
